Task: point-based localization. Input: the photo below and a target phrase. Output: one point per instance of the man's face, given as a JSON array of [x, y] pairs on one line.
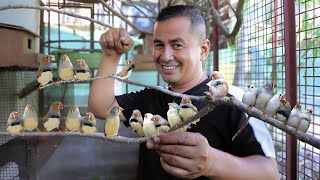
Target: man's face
[[177, 51]]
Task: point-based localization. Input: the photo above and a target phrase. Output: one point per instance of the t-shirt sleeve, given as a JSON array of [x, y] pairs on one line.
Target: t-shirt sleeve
[[130, 102]]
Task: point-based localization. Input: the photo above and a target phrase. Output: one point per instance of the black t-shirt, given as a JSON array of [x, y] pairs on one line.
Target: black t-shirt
[[218, 126]]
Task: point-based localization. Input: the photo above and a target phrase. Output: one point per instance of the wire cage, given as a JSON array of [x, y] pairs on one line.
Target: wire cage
[[259, 55], [261, 52]]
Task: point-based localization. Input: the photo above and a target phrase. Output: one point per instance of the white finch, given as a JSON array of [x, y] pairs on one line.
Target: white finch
[[14, 124], [88, 124], [149, 127], [284, 110], [65, 69], [273, 104], [136, 122], [294, 117], [219, 87], [173, 116], [73, 119], [187, 109], [52, 119], [127, 70], [249, 97], [263, 96], [161, 124], [305, 121], [45, 72], [30, 118], [112, 124], [82, 70]]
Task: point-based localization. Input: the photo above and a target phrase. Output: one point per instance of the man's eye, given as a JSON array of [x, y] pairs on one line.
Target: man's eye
[[177, 45], [158, 45]]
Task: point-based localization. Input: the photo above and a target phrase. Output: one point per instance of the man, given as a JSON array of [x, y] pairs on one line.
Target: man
[[206, 151]]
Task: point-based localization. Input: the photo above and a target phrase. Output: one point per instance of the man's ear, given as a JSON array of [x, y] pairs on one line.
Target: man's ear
[[205, 49]]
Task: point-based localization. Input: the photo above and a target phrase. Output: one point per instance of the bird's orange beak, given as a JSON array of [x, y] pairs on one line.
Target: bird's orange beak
[[61, 106], [51, 57], [65, 58], [78, 61]]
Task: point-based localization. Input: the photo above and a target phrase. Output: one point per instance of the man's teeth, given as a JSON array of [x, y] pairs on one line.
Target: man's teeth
[[169, 67]]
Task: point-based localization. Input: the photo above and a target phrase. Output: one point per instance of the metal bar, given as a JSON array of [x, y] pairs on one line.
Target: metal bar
[[274, 42], [215, 41], [92, 29], [291, 83], [41, 31]]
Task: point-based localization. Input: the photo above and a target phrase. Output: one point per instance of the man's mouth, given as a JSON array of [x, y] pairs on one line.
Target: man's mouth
[[169, 67]]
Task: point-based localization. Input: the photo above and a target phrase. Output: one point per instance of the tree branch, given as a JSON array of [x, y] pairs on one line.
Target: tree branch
[[55, 10], [123, 18]]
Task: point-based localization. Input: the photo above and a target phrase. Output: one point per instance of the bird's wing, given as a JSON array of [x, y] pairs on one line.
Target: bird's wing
[[45, 118]]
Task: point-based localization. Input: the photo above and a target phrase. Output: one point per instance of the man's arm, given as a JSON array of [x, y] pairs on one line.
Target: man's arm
[[188, 155], [114, 43]]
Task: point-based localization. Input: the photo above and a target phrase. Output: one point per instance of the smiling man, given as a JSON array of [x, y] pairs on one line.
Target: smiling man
[[206, 150]]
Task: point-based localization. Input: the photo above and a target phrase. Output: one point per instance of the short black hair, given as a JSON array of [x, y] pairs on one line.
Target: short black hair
[[197, 18]]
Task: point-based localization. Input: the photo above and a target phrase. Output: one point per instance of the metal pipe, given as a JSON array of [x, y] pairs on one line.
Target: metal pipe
[[291, 83], [215, 41]]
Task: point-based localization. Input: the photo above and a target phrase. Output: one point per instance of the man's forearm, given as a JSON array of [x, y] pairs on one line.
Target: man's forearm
[[101, 95], [227, 166]]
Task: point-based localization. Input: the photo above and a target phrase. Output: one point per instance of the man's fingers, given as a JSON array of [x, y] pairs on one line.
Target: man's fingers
[[182, 138], [180, 150], [175, 171]]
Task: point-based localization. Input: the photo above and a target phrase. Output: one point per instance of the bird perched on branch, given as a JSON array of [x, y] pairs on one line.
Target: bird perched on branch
[[136, 122], [44, 74], [305, 121], [127, 70], [73, 119], [264, 94], [88, 124], [219, 87], [161, 124], [82, 70], [52, 119], [274, 104], [14, 124], [65, 69], [149, 128], [187, 109], [173, 116], [294, 117], [112, 124], [249, 97], [284, 110], [30, 118]]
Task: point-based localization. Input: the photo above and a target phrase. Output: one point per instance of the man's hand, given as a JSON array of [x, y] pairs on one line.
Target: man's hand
[[183, 154], [115, 41]]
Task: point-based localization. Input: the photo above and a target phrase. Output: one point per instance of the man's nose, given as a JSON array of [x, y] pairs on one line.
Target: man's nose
[[167, 54]]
